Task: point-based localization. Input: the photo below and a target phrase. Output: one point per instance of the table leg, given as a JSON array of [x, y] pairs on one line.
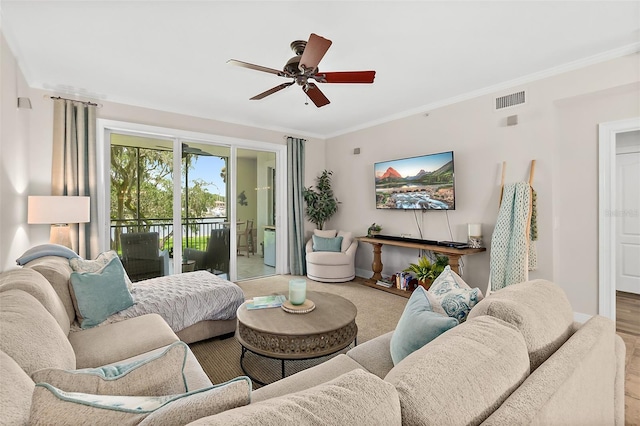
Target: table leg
[[454, 263], [376, 266]]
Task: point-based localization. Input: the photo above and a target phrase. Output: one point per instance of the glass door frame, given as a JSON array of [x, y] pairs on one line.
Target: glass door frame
[[106, 127]]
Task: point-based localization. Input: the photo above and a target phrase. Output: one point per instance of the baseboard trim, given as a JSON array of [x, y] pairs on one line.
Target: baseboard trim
[[580, 317]]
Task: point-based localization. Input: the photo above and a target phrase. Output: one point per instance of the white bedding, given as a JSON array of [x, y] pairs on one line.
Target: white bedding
[[182, 299]]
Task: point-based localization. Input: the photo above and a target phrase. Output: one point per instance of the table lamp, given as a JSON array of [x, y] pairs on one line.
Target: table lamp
[[59, 212]]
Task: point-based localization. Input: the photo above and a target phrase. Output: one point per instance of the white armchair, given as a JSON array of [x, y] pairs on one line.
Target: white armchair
[[332, 266]]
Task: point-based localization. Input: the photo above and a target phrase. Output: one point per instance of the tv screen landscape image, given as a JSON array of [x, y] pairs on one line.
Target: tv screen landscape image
[[425, 182]]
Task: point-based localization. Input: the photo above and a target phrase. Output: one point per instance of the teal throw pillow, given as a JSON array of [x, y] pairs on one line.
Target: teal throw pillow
[[327, 244], [418, 326], [454, 295], [97, 295]]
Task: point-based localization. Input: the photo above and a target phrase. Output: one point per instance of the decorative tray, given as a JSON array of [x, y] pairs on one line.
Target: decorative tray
[[305, 308]]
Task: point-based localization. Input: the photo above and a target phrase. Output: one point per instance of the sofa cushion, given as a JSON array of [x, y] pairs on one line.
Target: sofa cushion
[[30, 335], [156, 375], [417, 326], [97, 295], [374, 355], [71, 407], [35, 284], [308, 378], [581, 374], [354, 398], [327, 233], [454, 295], [347, 239], [83, 265], [57, 271], [327, 244], [43, 250], [539, 309], [466, 372], [111, 343], [329, 258], [16, 389]]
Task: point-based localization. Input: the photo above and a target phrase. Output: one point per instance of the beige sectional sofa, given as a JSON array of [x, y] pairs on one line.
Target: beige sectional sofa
[[518, 359]]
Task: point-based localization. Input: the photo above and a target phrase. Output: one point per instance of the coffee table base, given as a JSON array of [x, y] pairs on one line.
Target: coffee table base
[[282, 360]]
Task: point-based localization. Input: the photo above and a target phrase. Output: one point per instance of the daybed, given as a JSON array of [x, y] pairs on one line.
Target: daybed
[[518, 359], [197, 305]]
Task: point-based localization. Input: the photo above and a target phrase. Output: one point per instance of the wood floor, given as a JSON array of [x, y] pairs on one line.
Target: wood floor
[[628, 327]]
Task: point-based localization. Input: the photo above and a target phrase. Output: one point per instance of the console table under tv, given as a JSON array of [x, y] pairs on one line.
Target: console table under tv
[[454, 255]]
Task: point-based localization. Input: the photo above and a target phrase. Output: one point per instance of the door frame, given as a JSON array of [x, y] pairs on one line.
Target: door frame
[[607, 133], [105, 126]]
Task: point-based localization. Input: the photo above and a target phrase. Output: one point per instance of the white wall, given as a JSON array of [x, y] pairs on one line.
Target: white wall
[[26, 140], [557, 127], [14, 164]]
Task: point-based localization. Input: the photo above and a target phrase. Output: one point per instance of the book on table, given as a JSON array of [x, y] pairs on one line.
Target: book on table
[[263, 302], [385, 282]]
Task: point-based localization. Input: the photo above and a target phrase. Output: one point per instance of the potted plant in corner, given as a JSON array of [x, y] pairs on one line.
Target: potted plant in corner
[[321, 203], [426, 271]]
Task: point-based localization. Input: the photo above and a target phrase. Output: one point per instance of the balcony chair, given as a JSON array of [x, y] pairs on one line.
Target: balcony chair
[[331, 266], [249, 242], [216, 257], [141, 256]]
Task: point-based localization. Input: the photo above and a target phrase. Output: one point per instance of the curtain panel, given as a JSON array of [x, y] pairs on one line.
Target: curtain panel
[[295, 200], [73, 170]]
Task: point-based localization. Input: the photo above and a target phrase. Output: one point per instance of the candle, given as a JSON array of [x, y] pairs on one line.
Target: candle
[[297, 291], [475, 230], [475, 235]]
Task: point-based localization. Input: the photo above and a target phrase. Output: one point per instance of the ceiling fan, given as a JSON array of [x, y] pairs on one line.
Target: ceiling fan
[[304, 67]]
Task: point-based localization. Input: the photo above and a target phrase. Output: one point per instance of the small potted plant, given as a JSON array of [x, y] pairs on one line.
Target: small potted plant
[[426, 271], [374, 229]]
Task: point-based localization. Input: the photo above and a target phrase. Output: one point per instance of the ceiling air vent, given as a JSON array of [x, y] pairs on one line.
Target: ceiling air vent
[[511, 100]]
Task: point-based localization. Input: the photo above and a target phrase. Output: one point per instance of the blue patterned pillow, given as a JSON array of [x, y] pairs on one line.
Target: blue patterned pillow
[[417, 326], [454, 295], [327, 244]]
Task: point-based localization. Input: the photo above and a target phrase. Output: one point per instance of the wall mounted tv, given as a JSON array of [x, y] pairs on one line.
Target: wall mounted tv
[[425, 182]]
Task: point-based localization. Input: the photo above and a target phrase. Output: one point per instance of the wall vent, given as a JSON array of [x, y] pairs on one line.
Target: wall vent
[[511, 100]]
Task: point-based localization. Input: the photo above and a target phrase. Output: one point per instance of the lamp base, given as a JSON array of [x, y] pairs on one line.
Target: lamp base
[[60, 235]]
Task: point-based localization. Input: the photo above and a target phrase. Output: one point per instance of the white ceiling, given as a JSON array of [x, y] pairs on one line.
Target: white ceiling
[[171, 55]]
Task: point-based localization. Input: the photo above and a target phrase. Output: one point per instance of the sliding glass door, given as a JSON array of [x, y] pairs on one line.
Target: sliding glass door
[[255, 189], [180, 204]]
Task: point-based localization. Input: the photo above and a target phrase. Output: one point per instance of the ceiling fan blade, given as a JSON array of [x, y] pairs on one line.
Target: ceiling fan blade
[[257, 67], [316, 96], [346, 77], [271, 91], [314, 52]]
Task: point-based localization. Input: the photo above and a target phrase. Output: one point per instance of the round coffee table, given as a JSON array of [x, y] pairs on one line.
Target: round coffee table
[[274, 333]]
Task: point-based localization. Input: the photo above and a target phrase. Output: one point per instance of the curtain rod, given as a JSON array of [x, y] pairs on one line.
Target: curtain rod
[[75, 100]]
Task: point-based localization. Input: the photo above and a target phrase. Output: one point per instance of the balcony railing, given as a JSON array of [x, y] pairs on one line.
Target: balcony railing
[[195, 230]]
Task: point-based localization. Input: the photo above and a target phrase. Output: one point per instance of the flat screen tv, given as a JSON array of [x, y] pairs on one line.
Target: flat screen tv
[[425, 182]]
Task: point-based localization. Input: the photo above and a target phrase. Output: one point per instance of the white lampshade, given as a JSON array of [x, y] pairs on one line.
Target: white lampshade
[[58, 209]]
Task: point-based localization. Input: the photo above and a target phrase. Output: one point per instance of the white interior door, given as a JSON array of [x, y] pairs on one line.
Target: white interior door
[[628, 212]]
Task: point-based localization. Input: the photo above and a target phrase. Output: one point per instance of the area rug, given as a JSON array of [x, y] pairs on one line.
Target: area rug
[[378, 313]]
